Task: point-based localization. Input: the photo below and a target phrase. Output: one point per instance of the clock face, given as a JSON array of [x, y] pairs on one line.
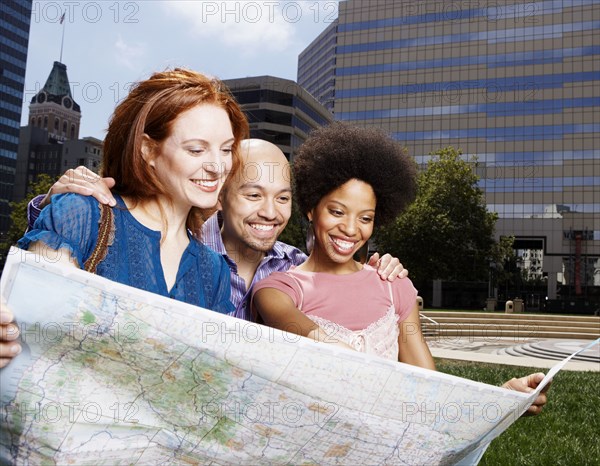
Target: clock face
[[67, 102], [41, 98]]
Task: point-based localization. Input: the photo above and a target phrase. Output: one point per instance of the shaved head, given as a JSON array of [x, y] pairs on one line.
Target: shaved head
[[259, 150], [257, 201], [259, 154]]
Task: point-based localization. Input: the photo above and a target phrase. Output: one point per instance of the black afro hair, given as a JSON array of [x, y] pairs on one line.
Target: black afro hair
[[339, 152]]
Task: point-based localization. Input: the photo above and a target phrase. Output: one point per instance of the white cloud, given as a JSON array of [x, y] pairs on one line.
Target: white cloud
[[251, 26], [129, 55], [146, 36]]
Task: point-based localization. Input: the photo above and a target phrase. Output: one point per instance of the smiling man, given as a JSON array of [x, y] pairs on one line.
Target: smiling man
[[255, 206]]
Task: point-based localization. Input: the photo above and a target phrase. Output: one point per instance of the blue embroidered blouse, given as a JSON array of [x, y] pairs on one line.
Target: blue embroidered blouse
[[72, 221]]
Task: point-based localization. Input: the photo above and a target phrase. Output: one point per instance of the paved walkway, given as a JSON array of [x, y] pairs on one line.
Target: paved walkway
[[504, 351]]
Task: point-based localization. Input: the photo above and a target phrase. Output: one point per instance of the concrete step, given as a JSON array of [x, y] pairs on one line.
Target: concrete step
[[510, 351], [517, 316], [453, 323], [530, 350], [514, 334], [519, 353], [514, 322], [537, 351], [592, 354], [521, 327]]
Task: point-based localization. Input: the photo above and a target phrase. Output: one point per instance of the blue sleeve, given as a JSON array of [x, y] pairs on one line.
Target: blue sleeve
[[215, 280], [70, 222], [222, 287]]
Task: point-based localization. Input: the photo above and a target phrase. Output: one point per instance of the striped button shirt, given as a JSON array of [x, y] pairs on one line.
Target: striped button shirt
[[279, 259]]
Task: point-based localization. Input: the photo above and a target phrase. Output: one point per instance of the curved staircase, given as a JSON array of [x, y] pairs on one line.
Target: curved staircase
[[525, 326], [524, 335], [551, 350]]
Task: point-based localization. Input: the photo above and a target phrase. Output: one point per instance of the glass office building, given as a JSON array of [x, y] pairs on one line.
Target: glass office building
[[278, 110], [316, 67], [516, 84], [15, 17]]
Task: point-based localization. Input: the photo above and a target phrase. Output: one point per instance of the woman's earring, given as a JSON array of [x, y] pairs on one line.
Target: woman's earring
[[310, 238]]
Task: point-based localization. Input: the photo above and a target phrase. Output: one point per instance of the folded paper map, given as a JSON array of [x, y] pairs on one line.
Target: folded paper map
[[113, 375]]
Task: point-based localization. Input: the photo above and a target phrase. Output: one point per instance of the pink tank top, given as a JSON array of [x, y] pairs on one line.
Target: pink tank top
[[379, 338]]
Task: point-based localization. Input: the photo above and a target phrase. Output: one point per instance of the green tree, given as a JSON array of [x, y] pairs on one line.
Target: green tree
[[18, 214], [447, 233], [295, 231]]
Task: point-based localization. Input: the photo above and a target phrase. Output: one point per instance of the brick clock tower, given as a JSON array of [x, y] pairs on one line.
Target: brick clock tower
[[54, 109], [50, 143]]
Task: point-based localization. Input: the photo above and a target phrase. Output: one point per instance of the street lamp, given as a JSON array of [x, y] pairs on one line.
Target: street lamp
[[491, 289], [492, 299], [519, 262]]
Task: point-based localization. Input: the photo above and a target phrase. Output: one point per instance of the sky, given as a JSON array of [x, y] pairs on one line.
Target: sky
[[109, 44]]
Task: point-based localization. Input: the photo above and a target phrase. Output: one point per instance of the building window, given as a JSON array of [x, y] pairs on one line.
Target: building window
[[56, 123], [64, 128], [72, 131], [33, 122]]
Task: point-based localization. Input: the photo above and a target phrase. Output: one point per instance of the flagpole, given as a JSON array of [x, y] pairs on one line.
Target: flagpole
[[62, 42]]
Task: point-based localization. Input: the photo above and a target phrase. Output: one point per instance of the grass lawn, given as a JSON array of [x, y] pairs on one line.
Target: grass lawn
[[567, 432]]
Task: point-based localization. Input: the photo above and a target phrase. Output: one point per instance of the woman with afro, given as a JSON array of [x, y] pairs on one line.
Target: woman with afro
[[347, 181]]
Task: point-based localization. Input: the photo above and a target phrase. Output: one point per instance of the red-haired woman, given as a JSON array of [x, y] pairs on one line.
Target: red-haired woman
[[170, 145]]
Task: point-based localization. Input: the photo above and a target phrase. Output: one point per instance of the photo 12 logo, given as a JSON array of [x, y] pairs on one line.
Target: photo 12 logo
[[89, 412], [89, 12], [267, 11]]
